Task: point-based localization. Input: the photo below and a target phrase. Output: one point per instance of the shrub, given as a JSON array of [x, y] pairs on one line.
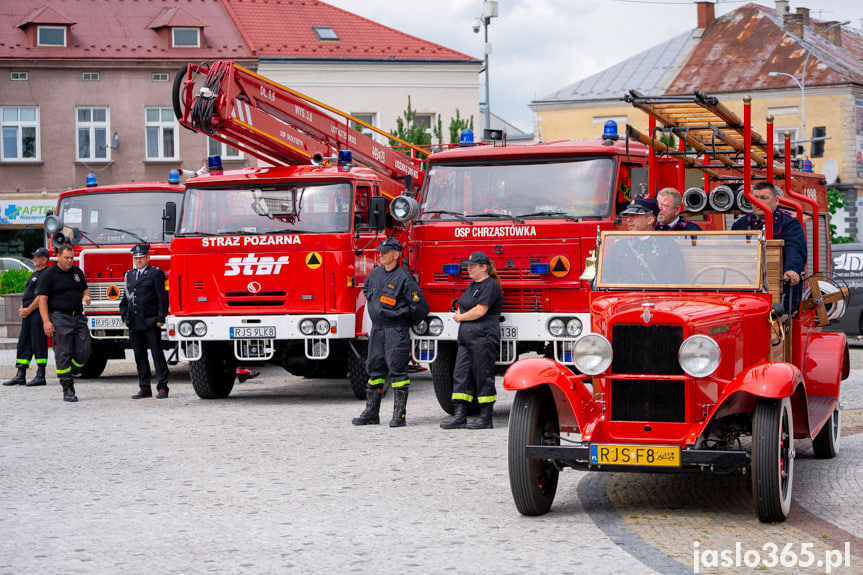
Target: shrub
[[14, 281]]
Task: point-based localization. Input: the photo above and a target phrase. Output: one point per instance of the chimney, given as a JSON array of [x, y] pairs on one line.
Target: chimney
[[782, 7], [832, 35], [793, 24], [706, 14], [804, 15]]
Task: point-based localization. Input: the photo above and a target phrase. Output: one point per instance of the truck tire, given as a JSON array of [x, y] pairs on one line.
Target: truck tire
[[772, 458], [826, 442], [96, 363], [357, 374], [213, 375], [441, 370], [532, 421]]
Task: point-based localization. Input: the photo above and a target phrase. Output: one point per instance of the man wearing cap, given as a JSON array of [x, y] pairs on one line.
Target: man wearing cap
[[669, 218], [32, 341], [642, 259], [143, 309], [62, 293], [394, 302]]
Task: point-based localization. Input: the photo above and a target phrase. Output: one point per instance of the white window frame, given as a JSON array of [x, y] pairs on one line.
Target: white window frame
[[432, 116], [161, 126], [369, 118], [227, 152], [19, 76], [91, 76], [160, 77], [96, 153], [19, 126], [175, 44], [39, 41]]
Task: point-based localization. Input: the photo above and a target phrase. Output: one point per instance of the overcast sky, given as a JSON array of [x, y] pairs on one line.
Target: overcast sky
[[540, 46]]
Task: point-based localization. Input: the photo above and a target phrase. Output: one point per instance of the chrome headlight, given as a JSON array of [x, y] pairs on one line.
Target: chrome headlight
[[421, 328], [185, 328], [435, 326], [322, 327], [699, 355], [574, 327], [404, 208], [200, 329], [307, 327], [592, 354], [556, 327]]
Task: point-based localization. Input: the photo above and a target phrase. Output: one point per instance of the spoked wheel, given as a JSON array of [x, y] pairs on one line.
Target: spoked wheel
[[532, 421], [772, 458], [826, 443]]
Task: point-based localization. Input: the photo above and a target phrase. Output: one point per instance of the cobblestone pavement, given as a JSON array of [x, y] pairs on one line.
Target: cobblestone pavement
[[276, 479]]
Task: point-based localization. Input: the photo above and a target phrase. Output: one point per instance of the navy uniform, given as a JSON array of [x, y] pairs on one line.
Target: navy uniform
[[679, 224], [143, 309], [32, 341], [478, 351], [394, 302]]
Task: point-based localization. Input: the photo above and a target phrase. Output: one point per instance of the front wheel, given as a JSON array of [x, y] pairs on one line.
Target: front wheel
[[357, 373], [442, 369], [213, 375], [532, 421], [826, 443], [772, 458], [96, 363]]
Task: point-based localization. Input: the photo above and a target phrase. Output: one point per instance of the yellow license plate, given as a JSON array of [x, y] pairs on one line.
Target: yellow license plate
[[645, 455]]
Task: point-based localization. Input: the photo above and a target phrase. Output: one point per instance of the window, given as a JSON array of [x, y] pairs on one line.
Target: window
[[19, 76], [367, 118], [51, 36], [91, 76], [186, 37], [20, 128], [161, 128], [426, 121], [217, 148], [325, 33], [92, 130], [160, 77]]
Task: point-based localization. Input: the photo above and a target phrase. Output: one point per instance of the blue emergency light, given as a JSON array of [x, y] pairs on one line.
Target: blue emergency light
[[538, 268], [345, 161], [451, 269], [214, 164], [807, 165], [174, 177], [609, 132], [91, 180], [466, 137]]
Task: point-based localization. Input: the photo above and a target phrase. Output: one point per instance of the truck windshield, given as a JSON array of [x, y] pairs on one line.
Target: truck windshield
[[570, 188], [118, 217], [699, 260], [299, 208]]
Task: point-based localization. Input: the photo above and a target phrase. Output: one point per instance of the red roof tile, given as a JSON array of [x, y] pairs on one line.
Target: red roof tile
[[45, 15], [176, 16]]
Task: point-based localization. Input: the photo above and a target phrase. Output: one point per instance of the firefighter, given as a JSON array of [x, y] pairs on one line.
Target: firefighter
[[143, 309], [478, 316], [394, 302], [669, 218], [32, 341]]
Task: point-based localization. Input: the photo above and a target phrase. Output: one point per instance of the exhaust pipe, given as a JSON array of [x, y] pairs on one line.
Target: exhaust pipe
[[694, 200], [721, 198]]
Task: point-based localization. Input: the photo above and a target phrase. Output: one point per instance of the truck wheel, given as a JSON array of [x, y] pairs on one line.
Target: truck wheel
[[213, 375], [772, 458], [532, 421], [826, 442], [96, 363], [441, 370], [357, 368]]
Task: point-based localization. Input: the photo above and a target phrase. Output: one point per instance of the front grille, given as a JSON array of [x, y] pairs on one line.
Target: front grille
[[506, 275], [522, 300], [642, 400], [259, 294], [99, 292], [646, 349], [256, 303]]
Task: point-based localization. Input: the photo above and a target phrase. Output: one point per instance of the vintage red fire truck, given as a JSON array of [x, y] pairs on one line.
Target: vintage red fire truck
[[103, 223], [267, 262], [711, 370]]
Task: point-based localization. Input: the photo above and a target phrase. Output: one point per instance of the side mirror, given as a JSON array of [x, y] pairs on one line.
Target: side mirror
[[169, 218], [76, 237], [378, 213]]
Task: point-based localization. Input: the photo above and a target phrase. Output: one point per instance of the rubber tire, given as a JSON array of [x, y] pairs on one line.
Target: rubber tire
[[772, 459], [826, 442], [532, 421], [441, 369], [357, 374], [96, 363], [214, 374]]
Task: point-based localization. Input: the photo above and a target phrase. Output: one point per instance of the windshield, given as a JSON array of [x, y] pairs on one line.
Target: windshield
[[706, 260], [576, 188], [301, 208], [118, 218]]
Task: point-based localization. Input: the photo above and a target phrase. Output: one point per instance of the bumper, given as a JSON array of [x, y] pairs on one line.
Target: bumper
[[691, 460]]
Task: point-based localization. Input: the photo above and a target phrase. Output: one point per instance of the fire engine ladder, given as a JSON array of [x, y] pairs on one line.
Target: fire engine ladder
[[707, 127], [279, 125]]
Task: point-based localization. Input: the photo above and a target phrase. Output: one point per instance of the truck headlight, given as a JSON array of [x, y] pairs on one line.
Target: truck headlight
[[200, 329], [421, 328], [322, 327], [307, 327], [573, 327], [592, 354], [699, 355], [185, 328], [556, 327], [435, 326]]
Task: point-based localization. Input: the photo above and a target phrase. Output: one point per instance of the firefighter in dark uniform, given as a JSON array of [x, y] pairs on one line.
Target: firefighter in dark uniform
[[669, 218], [394, 302], [143, 309], [32, 341], [62, 293], [478, 316]]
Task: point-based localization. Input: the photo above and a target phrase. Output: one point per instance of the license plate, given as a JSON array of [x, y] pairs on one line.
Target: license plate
[[257, 332], [509, 332], [645, 455], [106, 322]]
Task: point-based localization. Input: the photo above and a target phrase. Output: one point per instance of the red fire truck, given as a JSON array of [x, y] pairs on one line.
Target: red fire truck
[[103, 223], [267, 262], [713, 370]]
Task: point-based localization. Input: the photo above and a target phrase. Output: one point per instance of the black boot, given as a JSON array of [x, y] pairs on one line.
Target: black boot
[[370, 416], [399, 404], [20, 377], [40, 376], [459, 417], [68, 390], [484, 421]]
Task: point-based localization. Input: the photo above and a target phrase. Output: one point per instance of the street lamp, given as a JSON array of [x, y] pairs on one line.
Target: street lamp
[[489, 11]]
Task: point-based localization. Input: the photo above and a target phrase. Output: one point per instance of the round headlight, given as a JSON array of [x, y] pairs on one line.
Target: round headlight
[[435, 326], [322, 327], [592, 354], [185, 328], [404, 208], [200, 329], [699, 355], [52, 224], [573, 327], [421, 328], [556, 327], [307, 327]]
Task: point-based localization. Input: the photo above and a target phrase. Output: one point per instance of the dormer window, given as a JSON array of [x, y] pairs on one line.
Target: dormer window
[[186, 37], [51, 36], [325, 33]]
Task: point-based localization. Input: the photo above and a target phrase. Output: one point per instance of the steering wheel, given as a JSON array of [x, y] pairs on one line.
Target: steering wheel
[[724, 268]]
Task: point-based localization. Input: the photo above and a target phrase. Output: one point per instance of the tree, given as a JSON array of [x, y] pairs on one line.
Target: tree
[[408, 131], [836, 201], [456, 125]]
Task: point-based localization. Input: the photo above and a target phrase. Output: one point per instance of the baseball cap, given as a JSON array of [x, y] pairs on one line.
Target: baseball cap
[[41, 253], [477, 258]]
